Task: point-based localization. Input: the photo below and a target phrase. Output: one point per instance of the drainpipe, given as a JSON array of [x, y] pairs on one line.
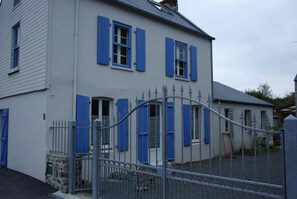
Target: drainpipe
[[75, 59], [295, 80]]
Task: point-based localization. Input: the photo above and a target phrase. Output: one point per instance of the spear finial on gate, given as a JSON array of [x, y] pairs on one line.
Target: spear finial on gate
[[190, 92], [182, 91], [254, 121], [208, 100], [241, 117], [199, 95], [173, 90], [136, 100], [219, 106], [156, 92], [149, 94], [130, 106], [142, 96]]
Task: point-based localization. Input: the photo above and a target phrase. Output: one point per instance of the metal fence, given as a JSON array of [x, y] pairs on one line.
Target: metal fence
[[254, 170]]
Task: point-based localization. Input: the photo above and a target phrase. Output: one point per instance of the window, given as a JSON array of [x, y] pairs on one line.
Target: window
[[154, 126], [16, 2], [181, 60], [101, 109], [263, 120], [195, 116], [121, 45], [228, 114], [177, 62], [158, 6], [247, 118], [15, 45]]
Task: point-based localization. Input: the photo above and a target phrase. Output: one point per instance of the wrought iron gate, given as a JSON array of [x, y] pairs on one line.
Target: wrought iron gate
[[183, 163]]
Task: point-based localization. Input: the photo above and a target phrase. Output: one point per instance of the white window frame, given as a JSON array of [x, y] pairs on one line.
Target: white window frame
[[93, 117], [195, 123], [118, 45], [181, 60]]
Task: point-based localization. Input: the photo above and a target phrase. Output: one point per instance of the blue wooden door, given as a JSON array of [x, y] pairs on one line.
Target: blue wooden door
[[4, 138]]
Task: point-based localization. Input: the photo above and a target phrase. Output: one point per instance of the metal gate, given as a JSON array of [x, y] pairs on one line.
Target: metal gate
[[176, 156]]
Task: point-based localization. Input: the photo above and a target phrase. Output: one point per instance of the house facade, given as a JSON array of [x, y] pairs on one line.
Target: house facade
[[243, 109], [81, 60]]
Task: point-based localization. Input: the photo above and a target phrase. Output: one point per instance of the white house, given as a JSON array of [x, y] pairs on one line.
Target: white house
[[86, 59], [243, 109]]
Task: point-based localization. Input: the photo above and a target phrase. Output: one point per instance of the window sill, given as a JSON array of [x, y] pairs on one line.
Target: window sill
[[122, 68], [181, 79], [14, 70], [196, 142]]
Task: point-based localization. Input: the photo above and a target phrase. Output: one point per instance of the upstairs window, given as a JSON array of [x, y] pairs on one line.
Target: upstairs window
[[177, 62], [121, 37], [15, 45], [16, 2], [121, 45], [181, 60]]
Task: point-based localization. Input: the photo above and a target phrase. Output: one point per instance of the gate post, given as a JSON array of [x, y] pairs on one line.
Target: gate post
[[165, 143], [97, 128], [290, 156], [71, 154]]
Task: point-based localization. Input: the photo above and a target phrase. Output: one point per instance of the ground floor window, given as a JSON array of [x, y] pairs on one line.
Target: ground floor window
[[228, 113], [263, 119], [154, 125], [102, 109], [195, 118]]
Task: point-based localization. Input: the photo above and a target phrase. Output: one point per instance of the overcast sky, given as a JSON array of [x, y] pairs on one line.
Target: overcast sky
[[256, 40]]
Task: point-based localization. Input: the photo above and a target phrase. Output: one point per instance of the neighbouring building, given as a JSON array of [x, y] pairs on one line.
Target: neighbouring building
[[243, 109]]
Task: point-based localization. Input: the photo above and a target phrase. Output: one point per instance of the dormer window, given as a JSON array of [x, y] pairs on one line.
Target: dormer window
[[16, 2]]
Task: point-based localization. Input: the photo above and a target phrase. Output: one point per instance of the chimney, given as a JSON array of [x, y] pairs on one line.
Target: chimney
[[171, 3]]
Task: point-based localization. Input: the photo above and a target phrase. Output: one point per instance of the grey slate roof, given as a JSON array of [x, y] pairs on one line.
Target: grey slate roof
[[226, 93], [173, 17]]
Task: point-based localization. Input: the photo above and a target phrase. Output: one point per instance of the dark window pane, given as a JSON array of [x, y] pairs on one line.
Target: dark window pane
[[95, 107], [123, 60], [105, 107]]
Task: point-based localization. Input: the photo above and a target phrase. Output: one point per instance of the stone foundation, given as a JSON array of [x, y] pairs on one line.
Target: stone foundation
[[57, 171]]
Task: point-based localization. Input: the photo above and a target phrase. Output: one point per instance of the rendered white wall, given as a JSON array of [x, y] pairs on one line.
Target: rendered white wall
[[237, 133], [26, 133], [105, 81]]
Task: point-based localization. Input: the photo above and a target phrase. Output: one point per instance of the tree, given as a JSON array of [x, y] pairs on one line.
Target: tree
[[263, 92]]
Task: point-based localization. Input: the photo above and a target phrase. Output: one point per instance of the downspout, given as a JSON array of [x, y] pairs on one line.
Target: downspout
[[75, 59]]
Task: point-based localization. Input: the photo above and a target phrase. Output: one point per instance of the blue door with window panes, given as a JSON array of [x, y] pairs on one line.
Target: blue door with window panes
[[4, 137]]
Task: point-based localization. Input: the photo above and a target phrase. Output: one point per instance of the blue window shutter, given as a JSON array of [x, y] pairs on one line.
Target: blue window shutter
[[193, 51], [123, 135], [140, 50], [103, 41], [170, 128], [82, 123], [142, 132], [206, 125], [4, 138], [187, 124], [169, 57]]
